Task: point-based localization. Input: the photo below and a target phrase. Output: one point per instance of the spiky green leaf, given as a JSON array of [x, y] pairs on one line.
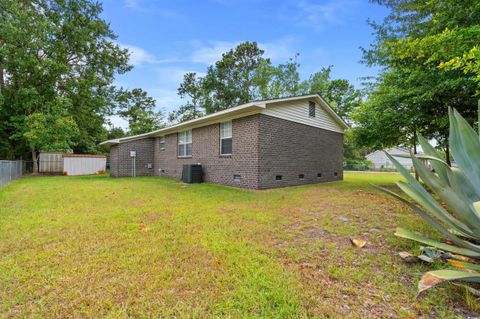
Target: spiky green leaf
[[465, 146], [436, 210], [454, 198], [441, 229], [440, 168], [404, 233]]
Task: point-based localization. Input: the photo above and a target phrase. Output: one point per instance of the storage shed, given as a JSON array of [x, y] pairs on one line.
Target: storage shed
[[71, 164], [50, 162], [83, 164]]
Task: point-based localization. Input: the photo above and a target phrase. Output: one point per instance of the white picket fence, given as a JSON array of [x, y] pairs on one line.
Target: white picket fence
[[10, 170]]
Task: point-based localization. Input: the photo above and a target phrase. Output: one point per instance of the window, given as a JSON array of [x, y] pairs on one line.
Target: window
[[226, 138], [185, 143], [162, 143], [311, 109], [278, 177]]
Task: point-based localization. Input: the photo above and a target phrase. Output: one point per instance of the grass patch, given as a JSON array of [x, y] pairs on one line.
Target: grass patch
[[152, 247]]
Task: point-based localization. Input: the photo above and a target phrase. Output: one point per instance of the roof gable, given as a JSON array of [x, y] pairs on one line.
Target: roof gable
[[298, 111]]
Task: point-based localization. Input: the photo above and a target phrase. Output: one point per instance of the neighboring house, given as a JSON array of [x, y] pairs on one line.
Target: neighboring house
[[380, 160], [262, 144]]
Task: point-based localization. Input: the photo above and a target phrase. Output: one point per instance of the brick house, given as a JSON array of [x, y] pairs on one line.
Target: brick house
[[258, 145]]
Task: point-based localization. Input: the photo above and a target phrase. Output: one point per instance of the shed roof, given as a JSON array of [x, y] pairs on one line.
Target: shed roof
[[85, 155]]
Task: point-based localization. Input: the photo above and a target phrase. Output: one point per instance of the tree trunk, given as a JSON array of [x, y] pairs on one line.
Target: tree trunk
[[447, 154], [2, 81], [35, 162], [415, 150]]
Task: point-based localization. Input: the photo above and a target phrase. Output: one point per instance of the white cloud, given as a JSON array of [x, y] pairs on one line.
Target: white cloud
[[151, 8], [132, 3], [117, 121], [173, 76], [280, 50], [209, 52], [139, 56], [318, 15], [165, 90], [167, 99]]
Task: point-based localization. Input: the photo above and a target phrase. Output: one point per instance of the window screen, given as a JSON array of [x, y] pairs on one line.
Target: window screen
[[162, 143], [185, 143], [226, 138]]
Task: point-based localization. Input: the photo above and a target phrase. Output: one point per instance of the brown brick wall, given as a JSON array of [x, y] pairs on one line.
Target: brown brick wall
[[113, 158], [206, 151], [290, 149], [263, 147], [121, 163]]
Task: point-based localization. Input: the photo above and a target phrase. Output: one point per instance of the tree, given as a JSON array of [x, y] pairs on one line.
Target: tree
[[244, 74], [279, 81], [339, 93], [116, 132], [411, 43], [51, 129], [469, 63], [386, 119], [53, 51], [191, 88], [138, 109], [235, 79], [232, 80]]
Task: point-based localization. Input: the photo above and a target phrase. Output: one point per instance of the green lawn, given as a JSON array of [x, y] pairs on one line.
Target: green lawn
[[152, 247]]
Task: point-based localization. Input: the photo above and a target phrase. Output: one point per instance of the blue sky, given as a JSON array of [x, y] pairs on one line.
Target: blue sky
[[169, 38]]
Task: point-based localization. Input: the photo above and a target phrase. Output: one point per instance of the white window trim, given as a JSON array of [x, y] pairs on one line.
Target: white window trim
[[162, 143], [226, 137], [184, 142]]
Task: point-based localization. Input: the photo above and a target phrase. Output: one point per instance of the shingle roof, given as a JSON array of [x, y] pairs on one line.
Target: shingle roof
[[238, 111]]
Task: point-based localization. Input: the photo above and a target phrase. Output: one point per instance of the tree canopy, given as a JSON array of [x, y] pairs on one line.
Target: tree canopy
[[139, 110], [58, 60], [413, 92], [244, 74]]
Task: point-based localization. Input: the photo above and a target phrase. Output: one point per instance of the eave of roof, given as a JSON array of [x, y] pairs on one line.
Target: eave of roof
[[233, 112]]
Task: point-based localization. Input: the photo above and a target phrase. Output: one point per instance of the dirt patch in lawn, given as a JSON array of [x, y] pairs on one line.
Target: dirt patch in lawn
[[338, 279]]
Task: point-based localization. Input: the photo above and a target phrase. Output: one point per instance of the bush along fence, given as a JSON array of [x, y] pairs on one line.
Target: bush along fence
[[10, 170]]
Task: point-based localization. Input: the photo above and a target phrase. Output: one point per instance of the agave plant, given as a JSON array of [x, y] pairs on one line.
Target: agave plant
[[459, 190]]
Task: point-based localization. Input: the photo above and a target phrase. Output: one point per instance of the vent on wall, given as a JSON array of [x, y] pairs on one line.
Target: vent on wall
[[278, 177], [319, 175], [311, 109], [237, 177], [301, 176], [335, 174]]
